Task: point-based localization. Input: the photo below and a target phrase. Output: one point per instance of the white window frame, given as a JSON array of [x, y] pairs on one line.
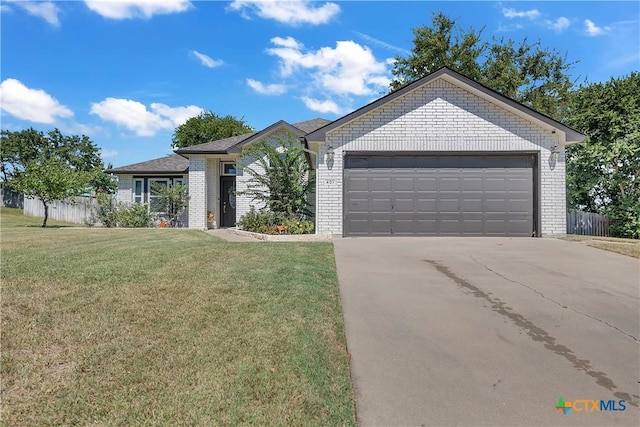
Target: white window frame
[[150, 181], [142, 192], [230, 163]]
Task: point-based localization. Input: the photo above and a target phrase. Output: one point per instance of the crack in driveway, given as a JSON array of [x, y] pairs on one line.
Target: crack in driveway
[[554, 301], [536, 333]]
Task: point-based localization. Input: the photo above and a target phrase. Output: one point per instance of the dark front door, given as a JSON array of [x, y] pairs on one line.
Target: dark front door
[[228, 201]]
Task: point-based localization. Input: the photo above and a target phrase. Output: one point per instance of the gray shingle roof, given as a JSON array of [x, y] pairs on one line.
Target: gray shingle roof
[[311, 125], [171, 164], [234, 143], [218, 146]]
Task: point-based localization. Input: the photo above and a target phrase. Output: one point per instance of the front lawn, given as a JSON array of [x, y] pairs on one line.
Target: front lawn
[[168, 327], [629, 247]]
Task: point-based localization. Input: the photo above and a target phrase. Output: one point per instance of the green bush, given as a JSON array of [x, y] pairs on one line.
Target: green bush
[[133, 216], [106, 211], [262, 221], [298, 226], [266, 222], [625, 218]]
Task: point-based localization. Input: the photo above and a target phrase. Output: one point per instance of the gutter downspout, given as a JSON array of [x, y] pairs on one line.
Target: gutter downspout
[[305, 144]]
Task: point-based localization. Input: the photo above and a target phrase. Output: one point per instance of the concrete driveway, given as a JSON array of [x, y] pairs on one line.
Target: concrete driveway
[[489, 331]]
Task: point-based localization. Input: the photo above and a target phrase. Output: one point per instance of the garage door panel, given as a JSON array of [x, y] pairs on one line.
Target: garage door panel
[[449, 184], [359, 206], [426, 183], [439, 195], [404, 206], [380, 184], [357, 183], [404, 184]]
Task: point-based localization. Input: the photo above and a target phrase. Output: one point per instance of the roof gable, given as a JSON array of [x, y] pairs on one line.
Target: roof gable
[[459, 80], [235, 143]]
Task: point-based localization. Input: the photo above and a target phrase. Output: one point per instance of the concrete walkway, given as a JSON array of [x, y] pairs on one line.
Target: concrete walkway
[[230, 236], [489, 331]]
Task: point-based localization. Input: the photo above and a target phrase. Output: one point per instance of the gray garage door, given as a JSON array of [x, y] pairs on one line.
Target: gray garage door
[[439, 195]]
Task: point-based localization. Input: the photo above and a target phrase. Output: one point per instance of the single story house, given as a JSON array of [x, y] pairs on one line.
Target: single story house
[[444, 155]]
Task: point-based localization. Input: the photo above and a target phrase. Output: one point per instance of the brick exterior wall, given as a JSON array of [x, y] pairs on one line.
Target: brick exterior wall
[[440, 116], [244, 203], [198, 192], [125, 188]]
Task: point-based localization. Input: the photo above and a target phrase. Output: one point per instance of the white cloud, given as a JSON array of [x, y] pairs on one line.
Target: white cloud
[[108, 154], [5, 8], [289, 42], [326, 106], [347, 69], [559, 24], [135, 116], [34, 105], [128, 9], [177, 115], [383, 44], [206, 60], [270, 89], [593, 30], [287, 11], [42, 9], [510, 13]]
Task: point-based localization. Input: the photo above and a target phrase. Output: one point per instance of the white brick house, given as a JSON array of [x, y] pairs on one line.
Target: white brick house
[[441, 156]]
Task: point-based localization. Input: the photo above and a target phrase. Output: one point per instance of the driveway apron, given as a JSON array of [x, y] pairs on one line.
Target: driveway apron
[[490, 331]]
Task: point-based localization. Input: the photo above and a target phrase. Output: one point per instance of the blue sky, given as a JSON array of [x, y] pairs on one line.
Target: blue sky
[[127, 72]]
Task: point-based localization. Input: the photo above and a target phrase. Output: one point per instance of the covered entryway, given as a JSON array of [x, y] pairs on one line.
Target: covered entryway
[[445, 194]]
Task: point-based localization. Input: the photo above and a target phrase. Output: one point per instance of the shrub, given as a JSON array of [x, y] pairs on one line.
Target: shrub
[[298, 226], [106, 211], [262, 221], [133, 216], [266, 222], [281, 177]]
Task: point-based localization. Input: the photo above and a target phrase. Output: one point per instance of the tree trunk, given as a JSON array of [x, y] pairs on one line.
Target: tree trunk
[[46, 214]]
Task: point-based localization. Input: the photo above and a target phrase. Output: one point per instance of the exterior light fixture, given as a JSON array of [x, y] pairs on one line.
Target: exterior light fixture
[[555, 150], [330, 154]]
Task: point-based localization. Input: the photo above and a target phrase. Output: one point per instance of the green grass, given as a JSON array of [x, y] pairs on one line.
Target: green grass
[[629, 247], [168, 327]]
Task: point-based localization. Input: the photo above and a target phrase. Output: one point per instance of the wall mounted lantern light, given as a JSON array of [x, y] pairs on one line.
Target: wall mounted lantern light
[[555, 150], [330, 154]]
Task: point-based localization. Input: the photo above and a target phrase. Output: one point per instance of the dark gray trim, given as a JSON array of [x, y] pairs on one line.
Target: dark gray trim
[[320, 135]]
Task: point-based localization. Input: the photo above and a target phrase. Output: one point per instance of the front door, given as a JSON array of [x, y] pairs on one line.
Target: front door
[[228, 201]]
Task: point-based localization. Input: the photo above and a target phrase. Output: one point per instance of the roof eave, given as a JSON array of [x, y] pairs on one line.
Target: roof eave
[[150, 172]]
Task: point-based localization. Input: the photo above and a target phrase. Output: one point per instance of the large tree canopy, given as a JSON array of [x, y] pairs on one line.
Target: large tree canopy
[[208, 127], [603, 173], [526, 72], [52, 166]]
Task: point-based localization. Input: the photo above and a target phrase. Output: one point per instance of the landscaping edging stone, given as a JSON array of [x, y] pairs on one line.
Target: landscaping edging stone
[[284, 237]]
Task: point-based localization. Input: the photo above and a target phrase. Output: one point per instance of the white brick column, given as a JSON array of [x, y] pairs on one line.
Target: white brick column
[[198, 192]]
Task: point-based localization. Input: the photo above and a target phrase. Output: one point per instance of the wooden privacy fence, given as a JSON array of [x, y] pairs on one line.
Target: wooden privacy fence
[[11, 198], [587, 224], [76, 211]]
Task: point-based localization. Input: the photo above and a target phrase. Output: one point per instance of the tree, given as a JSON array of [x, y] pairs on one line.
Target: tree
[[17, 149], [603, 173], [528, 73], [208, 127], [50, 179], [52, 166], [172, 198], [285, 184]]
